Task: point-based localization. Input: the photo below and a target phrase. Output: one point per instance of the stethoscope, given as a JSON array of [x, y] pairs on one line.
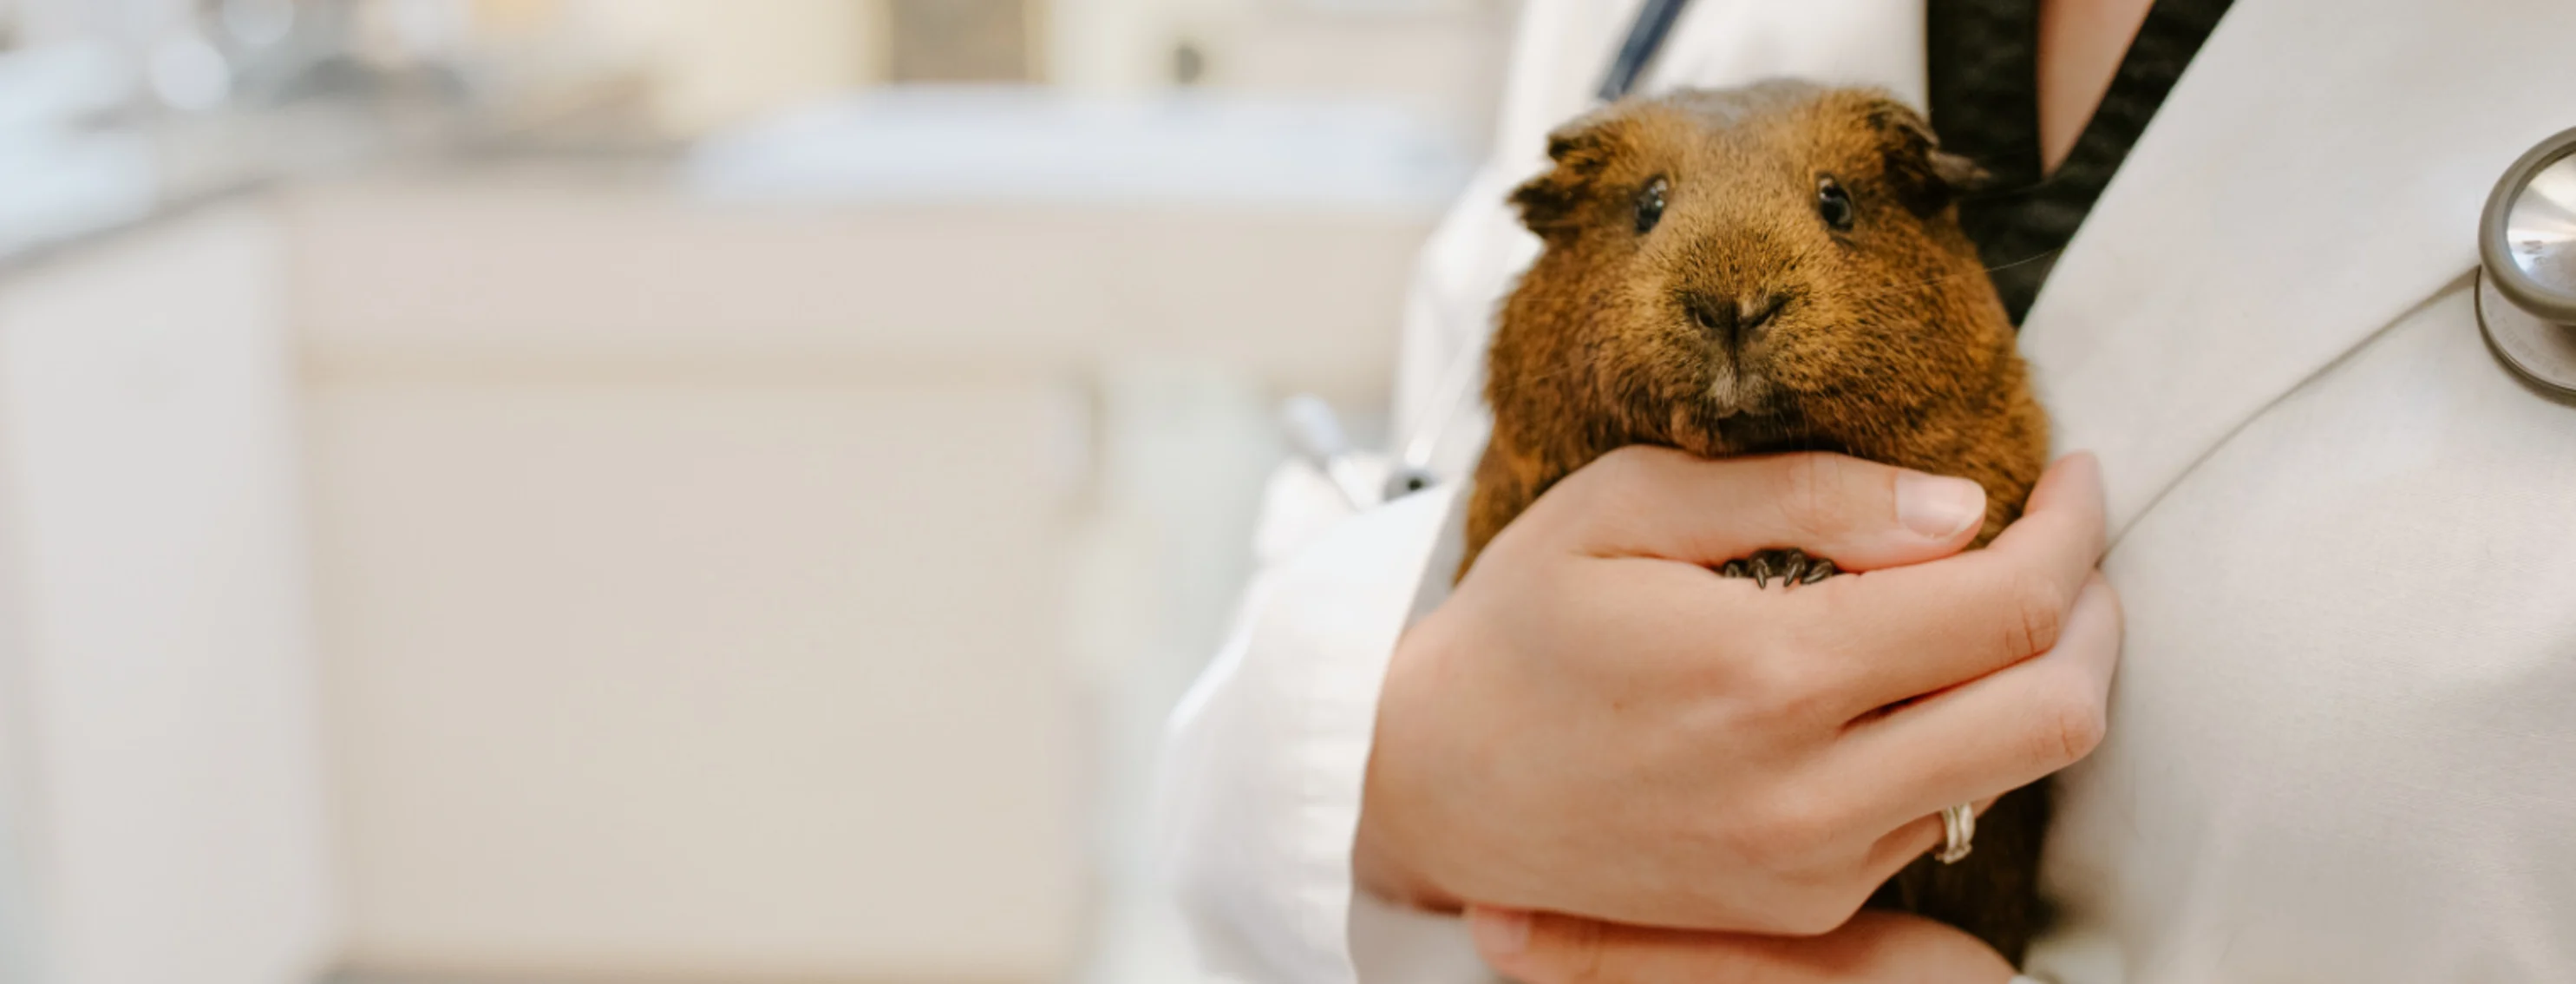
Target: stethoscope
[[2526, 299], [2527, 267], [1316, 435]]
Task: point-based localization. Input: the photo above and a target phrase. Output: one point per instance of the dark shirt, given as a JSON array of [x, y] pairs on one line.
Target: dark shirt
[[1984, 67]]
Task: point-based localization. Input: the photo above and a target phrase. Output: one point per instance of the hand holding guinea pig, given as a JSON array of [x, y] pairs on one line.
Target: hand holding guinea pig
[[1597, 722]]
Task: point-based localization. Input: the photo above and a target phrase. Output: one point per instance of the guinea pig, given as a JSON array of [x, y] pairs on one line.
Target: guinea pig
[[1767, 269]]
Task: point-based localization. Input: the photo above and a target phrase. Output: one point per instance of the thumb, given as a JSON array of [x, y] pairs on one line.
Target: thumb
[[1507, 940], [1502, 936], [1538, 948]]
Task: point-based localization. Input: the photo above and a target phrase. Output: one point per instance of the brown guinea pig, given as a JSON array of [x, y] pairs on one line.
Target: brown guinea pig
[[1766, 269]]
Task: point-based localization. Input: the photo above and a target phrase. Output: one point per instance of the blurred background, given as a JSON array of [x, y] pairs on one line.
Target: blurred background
[[662, 490]]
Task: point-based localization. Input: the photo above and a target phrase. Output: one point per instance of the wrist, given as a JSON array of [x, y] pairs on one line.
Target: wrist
[[1385, 859]]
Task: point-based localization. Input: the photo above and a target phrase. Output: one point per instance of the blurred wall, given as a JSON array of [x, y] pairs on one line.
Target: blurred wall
[[719, 63]]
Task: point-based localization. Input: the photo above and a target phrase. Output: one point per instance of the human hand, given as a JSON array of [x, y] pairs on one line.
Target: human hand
[[1875, 947], [1596, 723]]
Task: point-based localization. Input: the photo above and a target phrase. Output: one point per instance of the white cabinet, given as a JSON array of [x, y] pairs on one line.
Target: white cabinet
[[157, 697], [700, 675], [689, 610], [696, 576], [696, 590]]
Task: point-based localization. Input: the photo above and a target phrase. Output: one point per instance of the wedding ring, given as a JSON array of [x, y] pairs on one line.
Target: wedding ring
[[1958, 828]]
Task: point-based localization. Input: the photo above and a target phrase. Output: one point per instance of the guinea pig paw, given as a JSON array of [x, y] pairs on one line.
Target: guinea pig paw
[[1789, 566]]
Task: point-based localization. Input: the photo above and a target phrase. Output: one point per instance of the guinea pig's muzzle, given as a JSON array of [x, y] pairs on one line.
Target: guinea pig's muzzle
[[1734, 327]]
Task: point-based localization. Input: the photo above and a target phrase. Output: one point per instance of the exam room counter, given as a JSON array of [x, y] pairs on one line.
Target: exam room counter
[[542, 566]]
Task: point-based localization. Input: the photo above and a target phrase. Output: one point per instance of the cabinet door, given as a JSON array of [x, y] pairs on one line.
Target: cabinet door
[[684, 669], [160, 693]]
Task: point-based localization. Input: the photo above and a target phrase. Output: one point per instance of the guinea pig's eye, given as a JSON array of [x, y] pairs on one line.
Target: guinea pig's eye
[[1834, 204], [1650, 204]]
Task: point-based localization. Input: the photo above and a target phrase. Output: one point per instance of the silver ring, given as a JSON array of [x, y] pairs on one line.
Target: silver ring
[[1958, 829]]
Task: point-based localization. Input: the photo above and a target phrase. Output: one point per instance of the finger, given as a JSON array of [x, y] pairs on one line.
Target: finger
[[1656, 502], [1995, 734], [1911, 631], [1904, 844], [1539, 948]]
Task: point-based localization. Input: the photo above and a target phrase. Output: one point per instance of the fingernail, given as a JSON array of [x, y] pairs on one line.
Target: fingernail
[[2092, 463], [1499, 932], [1936, 506]]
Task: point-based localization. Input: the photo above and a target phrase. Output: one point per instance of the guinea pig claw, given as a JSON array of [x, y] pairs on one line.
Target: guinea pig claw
[[1788, 566]]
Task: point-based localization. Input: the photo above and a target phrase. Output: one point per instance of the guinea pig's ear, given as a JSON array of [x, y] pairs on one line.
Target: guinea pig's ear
[[1925, 177], [1582, 150]]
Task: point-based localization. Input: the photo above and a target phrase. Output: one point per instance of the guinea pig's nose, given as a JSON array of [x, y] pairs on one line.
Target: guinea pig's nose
[[1732, 320]]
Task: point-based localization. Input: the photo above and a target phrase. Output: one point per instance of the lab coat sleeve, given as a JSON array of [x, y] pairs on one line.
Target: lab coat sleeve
[[1264, 767], [1269, 749], [1267, 753]]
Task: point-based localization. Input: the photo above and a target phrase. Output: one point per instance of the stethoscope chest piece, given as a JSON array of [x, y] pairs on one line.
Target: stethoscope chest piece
[[2527, 260]]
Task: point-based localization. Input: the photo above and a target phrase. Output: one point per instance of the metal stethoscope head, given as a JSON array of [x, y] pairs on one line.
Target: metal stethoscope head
[[1315, 434], [2527, 260]]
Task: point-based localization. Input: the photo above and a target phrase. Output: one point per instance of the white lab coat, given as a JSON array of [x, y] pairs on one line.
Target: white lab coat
[[2343, 743]]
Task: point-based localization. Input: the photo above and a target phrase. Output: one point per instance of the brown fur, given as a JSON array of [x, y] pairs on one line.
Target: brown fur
[[1888, 343]]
